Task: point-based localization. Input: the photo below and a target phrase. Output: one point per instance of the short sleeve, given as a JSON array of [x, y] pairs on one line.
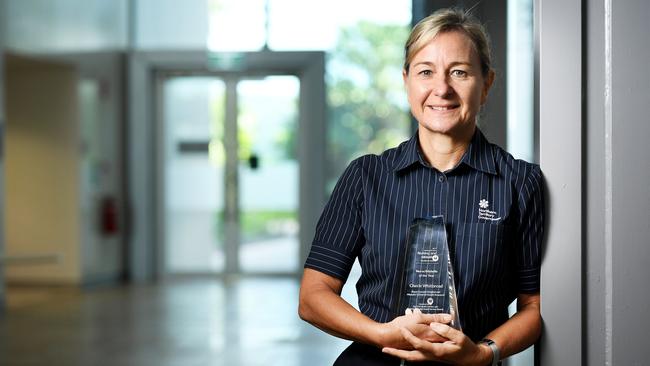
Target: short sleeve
[[530, 231], [339, 235]]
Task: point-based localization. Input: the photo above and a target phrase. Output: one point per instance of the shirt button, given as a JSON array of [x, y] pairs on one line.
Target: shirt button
[[442, 178]]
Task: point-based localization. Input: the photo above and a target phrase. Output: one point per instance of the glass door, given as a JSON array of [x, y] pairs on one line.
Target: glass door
[[194, 166], [231, 174], [267, 121]]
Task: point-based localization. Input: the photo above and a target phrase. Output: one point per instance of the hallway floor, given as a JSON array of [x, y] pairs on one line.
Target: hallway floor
[[186, 321]]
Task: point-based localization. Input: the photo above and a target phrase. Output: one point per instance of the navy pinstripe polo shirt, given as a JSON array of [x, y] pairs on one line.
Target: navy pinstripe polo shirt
[[493, 209]]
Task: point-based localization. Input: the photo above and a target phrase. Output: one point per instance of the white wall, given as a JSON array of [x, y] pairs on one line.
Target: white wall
[[41, 193], [66, 25], [559, 77]]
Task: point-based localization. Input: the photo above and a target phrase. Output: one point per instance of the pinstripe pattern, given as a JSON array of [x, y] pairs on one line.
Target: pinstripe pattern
[[494, 246]]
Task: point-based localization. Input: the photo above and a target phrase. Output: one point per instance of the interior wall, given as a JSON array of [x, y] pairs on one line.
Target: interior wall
[[101, 162], [494, 120], [41, 193], [103, 253], [65, 26], [2, 160]]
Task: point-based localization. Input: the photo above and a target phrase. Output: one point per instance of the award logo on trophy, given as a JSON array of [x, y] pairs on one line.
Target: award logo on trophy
[[427, 281]]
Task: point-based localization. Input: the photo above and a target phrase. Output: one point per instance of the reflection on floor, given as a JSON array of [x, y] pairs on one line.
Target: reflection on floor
[[248, 321]]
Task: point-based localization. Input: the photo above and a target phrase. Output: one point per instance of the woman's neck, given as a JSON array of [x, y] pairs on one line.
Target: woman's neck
[[444, 151]]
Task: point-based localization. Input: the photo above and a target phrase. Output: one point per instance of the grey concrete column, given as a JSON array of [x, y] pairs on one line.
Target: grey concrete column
[[617, 183], [596, 204], [596, 314], [141, 195], [629, 174]]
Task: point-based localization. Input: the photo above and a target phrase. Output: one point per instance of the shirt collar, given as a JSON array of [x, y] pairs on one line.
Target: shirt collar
[[408, 155], [479, 154]]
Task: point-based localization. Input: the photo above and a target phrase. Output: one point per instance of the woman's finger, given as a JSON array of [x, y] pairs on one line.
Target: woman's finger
[[448, 332], [405, 355]]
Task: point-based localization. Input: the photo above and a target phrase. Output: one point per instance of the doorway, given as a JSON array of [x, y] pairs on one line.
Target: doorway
[[236, 179], [231, 173]]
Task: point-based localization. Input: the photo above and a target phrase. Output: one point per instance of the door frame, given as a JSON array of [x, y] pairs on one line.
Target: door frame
[[146, 234]]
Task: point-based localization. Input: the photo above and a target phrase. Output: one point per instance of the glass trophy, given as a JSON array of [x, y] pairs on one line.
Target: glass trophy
[[427, 281]]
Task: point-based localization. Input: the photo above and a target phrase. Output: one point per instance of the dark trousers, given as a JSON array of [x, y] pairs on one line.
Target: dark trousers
[[359, 354]]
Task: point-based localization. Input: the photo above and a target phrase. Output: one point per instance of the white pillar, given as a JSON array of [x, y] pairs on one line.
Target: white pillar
[[559, 75]]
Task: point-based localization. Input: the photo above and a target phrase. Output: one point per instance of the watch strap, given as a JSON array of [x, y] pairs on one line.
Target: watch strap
[[496, 356]]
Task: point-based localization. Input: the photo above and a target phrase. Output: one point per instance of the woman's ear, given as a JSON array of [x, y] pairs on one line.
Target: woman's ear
[[487, 85]]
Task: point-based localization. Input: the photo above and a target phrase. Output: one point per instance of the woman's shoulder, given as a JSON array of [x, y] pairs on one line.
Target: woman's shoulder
[[514, 169], [384, 161]]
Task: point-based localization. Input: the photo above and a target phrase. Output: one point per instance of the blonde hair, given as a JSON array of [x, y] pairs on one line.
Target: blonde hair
[[446, 20]]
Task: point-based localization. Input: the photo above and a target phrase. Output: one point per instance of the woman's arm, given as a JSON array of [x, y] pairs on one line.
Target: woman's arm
[[321, 305], [522, 330], [515, 335]]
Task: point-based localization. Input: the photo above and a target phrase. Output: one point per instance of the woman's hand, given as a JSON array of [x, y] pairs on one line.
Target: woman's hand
[[417, 324], [455, 347]]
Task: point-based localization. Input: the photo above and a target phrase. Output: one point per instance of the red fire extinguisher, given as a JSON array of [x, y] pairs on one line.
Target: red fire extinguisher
[[108, 216]]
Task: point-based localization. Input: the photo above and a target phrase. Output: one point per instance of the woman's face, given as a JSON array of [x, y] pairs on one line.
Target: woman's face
[[445, 86]]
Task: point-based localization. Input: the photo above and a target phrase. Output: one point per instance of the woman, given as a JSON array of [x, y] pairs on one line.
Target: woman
[[491, 202]]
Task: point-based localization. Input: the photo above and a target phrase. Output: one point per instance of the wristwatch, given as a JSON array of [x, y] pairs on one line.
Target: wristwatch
[[495, 351]]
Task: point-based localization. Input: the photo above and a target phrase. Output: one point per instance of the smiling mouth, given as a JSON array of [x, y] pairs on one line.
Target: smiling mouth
[[443, 107]]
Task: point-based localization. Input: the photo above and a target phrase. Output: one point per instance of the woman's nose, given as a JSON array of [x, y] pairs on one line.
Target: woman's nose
[[441, 87]]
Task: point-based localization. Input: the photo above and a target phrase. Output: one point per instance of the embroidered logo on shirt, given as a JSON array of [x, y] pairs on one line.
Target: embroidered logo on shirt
[[486, 214]]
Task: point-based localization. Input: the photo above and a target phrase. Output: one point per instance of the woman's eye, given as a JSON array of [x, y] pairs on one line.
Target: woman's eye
[[459, 73], [426, 73]]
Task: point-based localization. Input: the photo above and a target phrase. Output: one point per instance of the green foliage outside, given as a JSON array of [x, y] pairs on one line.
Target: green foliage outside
[[259, 225], [367, 103], [265, 224], [367, 113]]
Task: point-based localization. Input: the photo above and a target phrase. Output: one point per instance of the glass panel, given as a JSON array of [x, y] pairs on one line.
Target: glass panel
[[171, 24], [66, 25], [236, 25], [520, 107], [268, 126], [320, 32], [520, 79], [368, 109], [90, 169], [194, 169]]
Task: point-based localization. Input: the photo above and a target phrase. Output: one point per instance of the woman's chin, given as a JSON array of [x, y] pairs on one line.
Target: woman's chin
[[450, 128]]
